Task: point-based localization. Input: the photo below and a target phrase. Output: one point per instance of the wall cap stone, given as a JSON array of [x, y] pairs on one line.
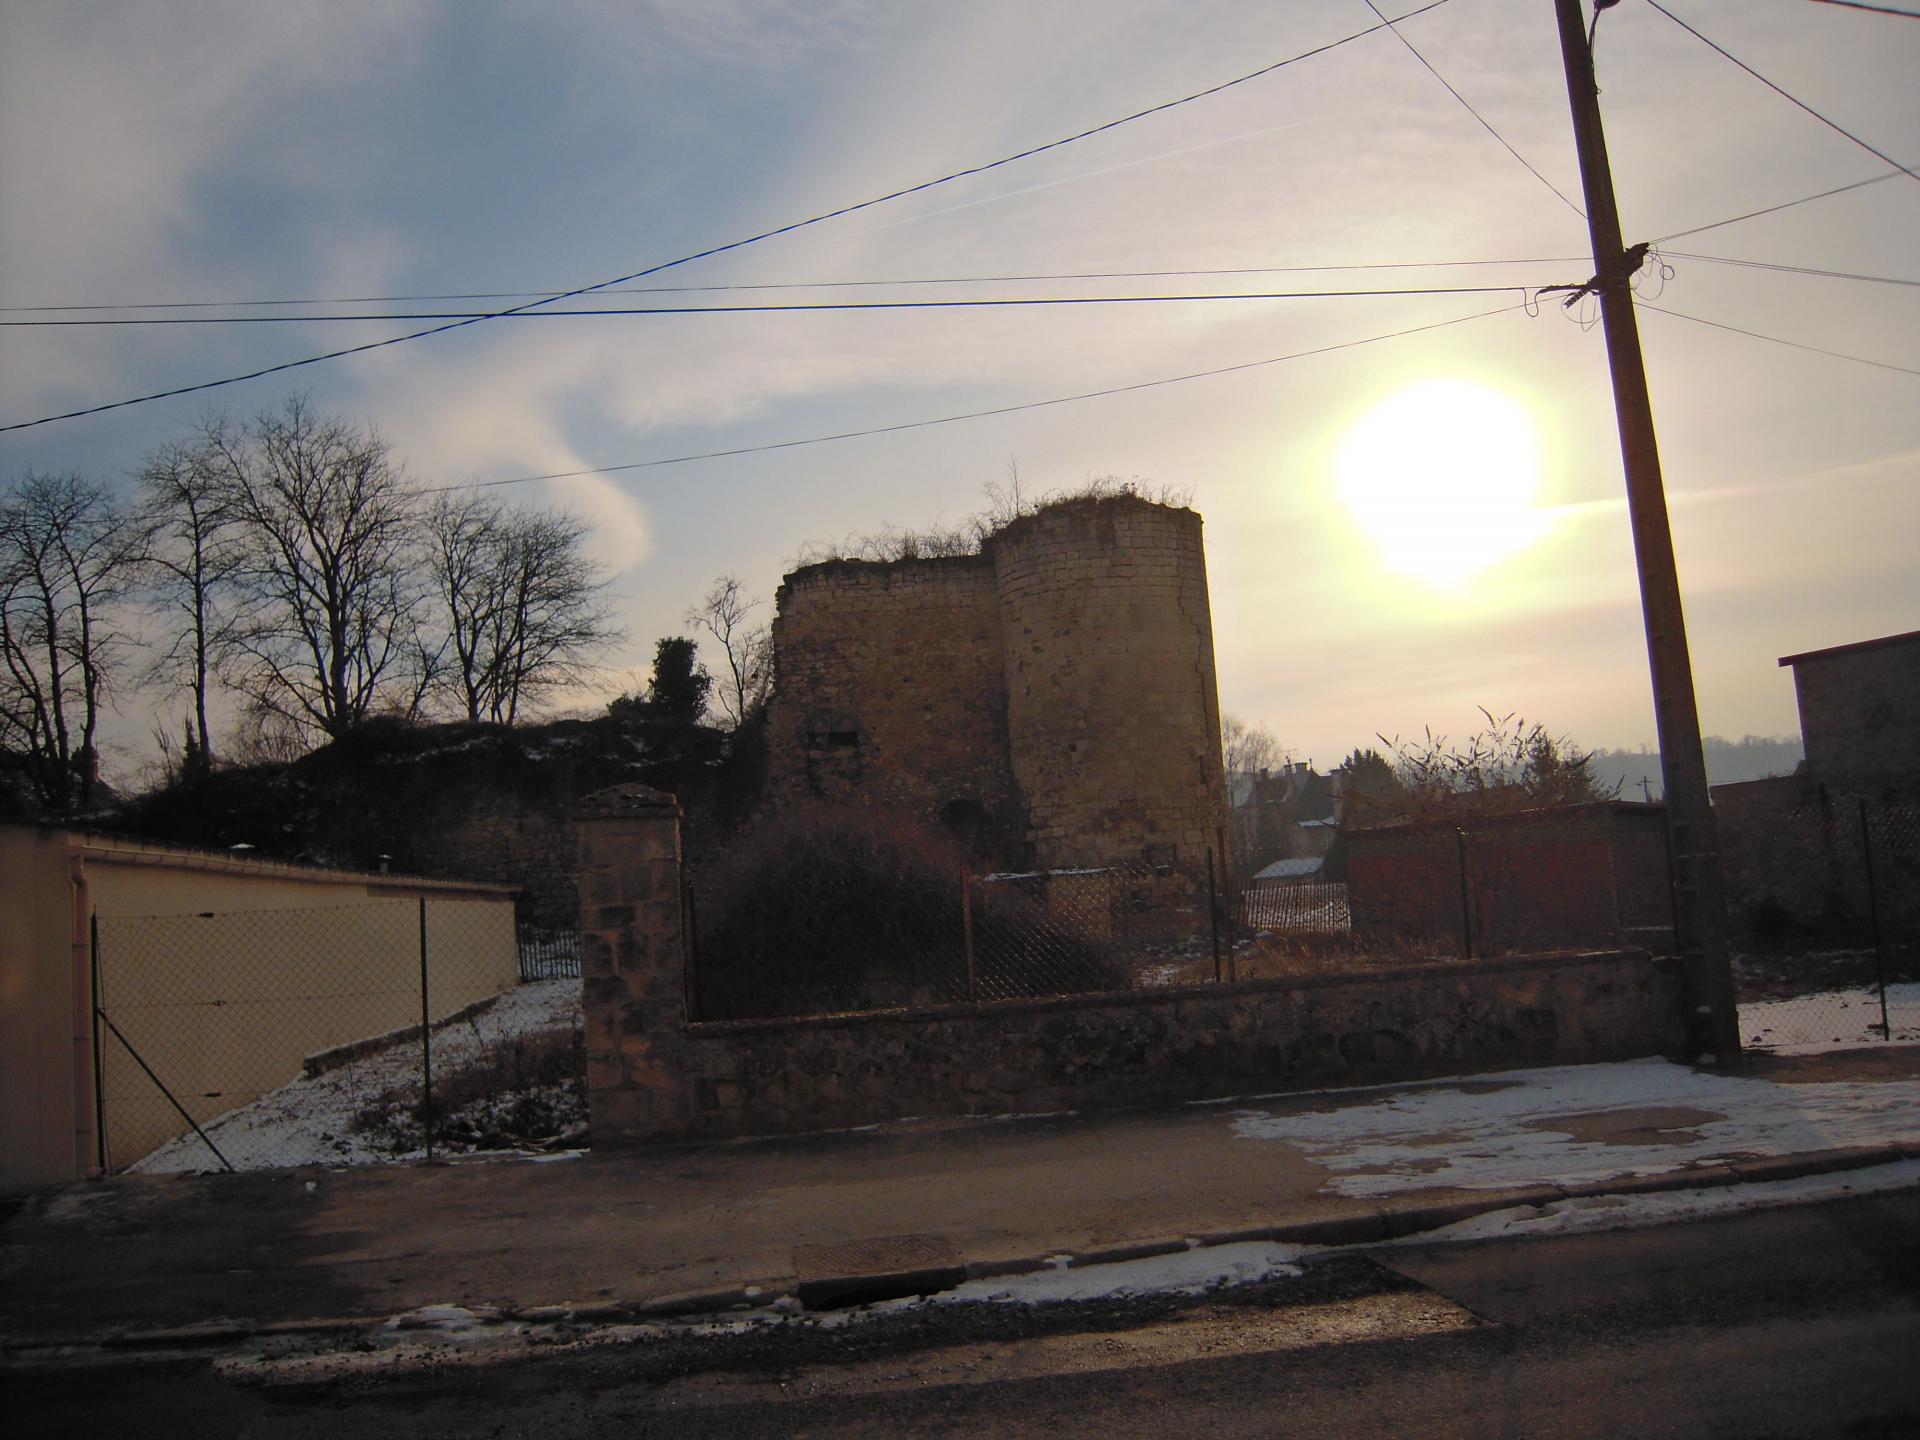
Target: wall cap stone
[[630, 799], [1173, 994]]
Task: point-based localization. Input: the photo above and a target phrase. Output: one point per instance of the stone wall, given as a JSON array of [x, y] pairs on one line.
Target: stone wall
[[889, 689], [1152, 1047], [653, 1075], [1112, 710], [1053, 696], [1860, 710]]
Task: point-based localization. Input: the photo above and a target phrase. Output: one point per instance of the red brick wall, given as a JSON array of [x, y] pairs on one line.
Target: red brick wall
[[1589, 876]]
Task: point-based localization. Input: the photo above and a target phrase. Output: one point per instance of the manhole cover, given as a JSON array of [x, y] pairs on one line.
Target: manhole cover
[[851, 1272]]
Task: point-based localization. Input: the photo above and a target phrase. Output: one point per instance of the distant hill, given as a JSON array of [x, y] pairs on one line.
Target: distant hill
[[1752, 757]]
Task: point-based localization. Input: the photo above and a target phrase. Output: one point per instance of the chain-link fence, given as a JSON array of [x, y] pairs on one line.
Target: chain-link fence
[[329, 1035], [1853, 974], [851, 939]]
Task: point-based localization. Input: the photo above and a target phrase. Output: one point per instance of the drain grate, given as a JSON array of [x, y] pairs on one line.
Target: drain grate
[[851, 1272]]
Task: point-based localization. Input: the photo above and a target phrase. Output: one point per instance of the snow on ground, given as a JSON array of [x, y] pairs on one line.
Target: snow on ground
[[1522, 1127], [1830, 1017], [309, 1121], [1668, 1207]]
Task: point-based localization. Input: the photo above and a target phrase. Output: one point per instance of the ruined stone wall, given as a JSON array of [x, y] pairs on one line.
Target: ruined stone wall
[[888, 690], [1057, 690], [1112, 709]]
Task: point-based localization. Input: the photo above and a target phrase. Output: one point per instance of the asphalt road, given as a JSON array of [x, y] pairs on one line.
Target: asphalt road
[[1799, 1322]]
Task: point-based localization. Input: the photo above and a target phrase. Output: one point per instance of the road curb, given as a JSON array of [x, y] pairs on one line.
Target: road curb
[[1355, 1229]]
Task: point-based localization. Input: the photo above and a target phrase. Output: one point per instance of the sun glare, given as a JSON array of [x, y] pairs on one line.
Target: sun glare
[[1442, 477]]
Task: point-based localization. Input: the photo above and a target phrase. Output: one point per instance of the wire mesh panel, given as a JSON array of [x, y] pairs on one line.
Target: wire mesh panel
[[851, 940], [212, 1029], [1069, 932], [1866, 987]]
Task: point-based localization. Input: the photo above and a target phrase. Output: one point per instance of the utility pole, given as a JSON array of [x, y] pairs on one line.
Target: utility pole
[[1699, 906]]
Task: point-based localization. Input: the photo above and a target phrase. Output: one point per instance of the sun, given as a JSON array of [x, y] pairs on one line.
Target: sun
[[1442, 477]]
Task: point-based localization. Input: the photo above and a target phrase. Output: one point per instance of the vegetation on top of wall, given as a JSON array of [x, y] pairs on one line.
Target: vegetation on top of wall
[[1006, 504]]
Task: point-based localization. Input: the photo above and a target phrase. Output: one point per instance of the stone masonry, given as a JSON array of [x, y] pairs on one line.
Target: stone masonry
[[652, 1074], [1051, 698]]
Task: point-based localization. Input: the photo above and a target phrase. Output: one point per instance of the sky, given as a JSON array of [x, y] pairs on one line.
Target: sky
[[203, 151]]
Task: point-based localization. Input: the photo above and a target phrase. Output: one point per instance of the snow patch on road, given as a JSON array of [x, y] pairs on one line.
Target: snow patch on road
[[1513, 1128], [1591, 1213]]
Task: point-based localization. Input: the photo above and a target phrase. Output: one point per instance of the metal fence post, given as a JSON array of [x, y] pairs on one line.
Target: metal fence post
[[99, 1060], [426, 1040], [966, 932], [1466, 903], [1873, 921]]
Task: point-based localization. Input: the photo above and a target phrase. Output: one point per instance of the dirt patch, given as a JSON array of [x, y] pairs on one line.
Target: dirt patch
[[1877, 1063], [1643, 1125]]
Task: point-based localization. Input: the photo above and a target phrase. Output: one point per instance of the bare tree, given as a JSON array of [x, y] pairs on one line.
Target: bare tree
[[188, 513], [524, 609], [1248, 749], [327, 574], [748, 648], [66, 555]]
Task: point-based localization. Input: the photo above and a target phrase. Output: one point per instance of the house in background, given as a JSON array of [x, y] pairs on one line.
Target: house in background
[[1860, 710], [1292, 813], [1834, 851]]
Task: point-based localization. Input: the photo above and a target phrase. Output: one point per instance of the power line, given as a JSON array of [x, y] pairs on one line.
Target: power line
[[806, 285], [1791, 269], [905, 281], [1484, 123], [1783, 205], [1776, 340], [1876, 9], [1830, 124], [976, 414], [721, 249], [786, 309]]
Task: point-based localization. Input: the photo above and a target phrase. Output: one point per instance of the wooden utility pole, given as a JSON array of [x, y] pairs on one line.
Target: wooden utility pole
[[1699, 906]]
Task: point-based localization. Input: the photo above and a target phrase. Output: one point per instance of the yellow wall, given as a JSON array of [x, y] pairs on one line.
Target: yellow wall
[[43, 1111], [223, 974]]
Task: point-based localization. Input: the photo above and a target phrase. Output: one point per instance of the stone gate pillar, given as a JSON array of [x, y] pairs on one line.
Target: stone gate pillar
[[633, 965]]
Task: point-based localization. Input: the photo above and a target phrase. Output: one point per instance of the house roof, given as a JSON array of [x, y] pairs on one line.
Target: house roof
[[1906, 639], [1292, 869]]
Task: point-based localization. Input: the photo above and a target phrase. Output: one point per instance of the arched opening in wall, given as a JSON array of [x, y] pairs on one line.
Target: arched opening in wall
[[969, 826]]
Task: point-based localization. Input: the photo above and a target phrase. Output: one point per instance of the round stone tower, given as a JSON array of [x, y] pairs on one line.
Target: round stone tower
[[1113, 716]]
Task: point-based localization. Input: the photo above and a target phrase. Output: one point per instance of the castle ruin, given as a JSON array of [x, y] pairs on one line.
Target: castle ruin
[[1050, 700]]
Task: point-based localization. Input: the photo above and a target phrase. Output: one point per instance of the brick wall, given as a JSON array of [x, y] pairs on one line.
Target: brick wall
[[1592, 875]]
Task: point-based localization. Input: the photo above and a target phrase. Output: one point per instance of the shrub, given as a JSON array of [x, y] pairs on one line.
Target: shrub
[[836, 910]]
